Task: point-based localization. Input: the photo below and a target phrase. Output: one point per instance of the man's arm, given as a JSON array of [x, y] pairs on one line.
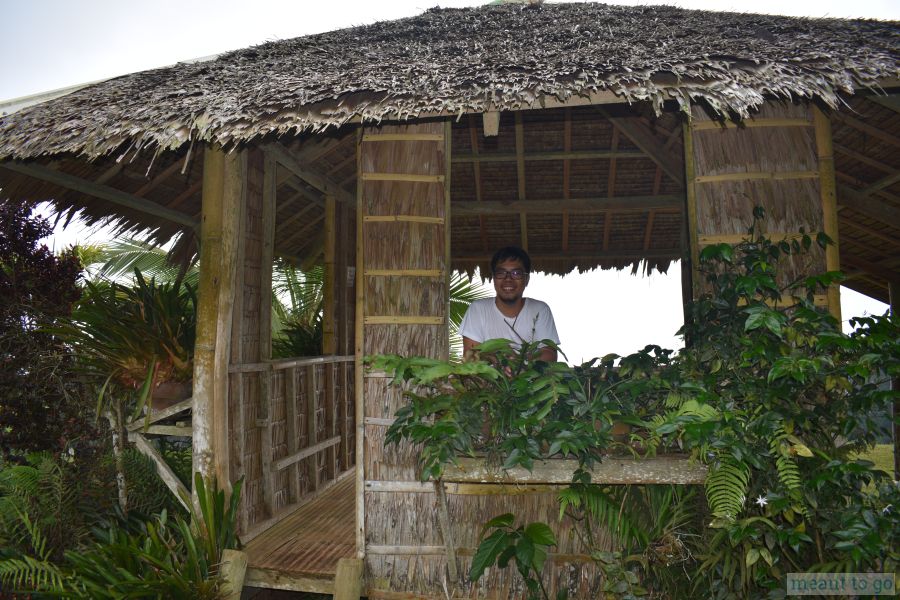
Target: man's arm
[[548, 354], [469, 348]]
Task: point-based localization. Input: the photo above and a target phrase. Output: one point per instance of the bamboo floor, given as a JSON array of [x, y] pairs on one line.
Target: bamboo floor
[[301, 551]]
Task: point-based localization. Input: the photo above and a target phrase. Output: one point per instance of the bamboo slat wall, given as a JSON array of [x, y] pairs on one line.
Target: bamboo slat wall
[[771, 162], [403, 235]]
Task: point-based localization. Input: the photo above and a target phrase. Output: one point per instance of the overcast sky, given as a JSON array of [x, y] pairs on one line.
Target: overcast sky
[[50, 44]]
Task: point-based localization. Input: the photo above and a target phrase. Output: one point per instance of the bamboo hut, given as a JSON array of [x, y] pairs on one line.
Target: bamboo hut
[[594, 136]]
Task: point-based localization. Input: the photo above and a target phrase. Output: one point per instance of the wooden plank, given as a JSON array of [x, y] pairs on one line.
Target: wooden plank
[[433, 273], [757, 176], [750, 124], [669, 202], [407, 487], [828, 196], [613, 470], [400, 550], [284, 580], [165, 472], [159, 415], [411, 177], [403, 219], [306, 452], [172, 430], [403, 320], [379, 421], [291, 432], [405, 137], [286, 159], [312, 398], [102, 191]]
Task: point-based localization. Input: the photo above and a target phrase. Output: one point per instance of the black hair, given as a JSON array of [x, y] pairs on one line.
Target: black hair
[[511, 253]]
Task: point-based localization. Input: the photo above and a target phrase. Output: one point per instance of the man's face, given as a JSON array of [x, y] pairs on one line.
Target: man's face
[[508, 288]]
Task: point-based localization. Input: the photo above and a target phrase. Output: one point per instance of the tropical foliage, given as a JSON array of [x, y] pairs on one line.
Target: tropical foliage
[[774, 399]]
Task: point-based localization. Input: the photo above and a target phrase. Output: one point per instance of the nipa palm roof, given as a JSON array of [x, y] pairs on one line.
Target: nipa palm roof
[[453, 61]]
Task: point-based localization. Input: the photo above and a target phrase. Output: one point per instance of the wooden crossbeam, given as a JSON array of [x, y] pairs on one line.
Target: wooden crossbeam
[[750, 124], [613, 470], [881, 184], [324, 184], [165, 472], [757, 175], [866, 128], [644, 139], [102, 191], [668, 203], [623, 255], [546, 156], [870, 207], [866, 160], [853, 224], [872, 268]]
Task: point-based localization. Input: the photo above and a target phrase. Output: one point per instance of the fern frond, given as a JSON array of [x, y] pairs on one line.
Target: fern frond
[[29, 573], [726, 488]]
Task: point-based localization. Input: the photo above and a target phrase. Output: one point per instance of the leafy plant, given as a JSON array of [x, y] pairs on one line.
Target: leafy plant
[[770, 395], [526, 545]]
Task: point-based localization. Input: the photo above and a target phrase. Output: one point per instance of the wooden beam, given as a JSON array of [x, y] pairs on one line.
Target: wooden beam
[[165, 472], [328, 318], [891, 101], [644, 139], [860, 125], [348, 579], [853, 224], [678, 470], [233, 570], [327, 186], [274, 579], [306, 452], [690, 172], [476, 174], [866, 160], [567, 173], [881, 184], [160, 177], [159, 415], [875, 269], [870, 207], [490, 123], [617, 255], [673, 203], [648, 230], [520, 156], [98, 190], [547, 156]]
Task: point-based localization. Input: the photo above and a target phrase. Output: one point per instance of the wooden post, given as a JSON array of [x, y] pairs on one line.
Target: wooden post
[[358, 367], [691, 216], [894, 298], [348, 579], [827, 187], [328, 329], [223, 177], [232, 570], [311, 427]]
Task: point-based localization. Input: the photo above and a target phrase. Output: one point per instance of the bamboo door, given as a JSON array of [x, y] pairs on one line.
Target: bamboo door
[[402, 308]]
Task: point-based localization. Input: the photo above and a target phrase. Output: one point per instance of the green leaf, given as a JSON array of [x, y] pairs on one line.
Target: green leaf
[[540, 533], [752, 557], [488, 551]]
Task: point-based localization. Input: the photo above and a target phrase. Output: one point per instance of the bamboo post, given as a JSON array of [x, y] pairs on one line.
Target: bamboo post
[[691, 196], [358, 366], [290, 399], [827, 190], [328, 329], [311, 426], [223, 177]]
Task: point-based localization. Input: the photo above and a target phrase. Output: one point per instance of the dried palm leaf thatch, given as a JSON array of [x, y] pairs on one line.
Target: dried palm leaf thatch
[[453, 61]]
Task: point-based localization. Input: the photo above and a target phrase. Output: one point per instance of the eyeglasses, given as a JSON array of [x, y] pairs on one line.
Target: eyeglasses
[[516, 274]]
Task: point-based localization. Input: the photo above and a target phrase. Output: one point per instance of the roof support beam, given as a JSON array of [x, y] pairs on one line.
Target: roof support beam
[[624, 255], [644, 139], [672, 203], [866, 128], [850, 198], [872, 268], [520, 171], [567, 172], [284, 157], [99, 190], [551, 155], [476, 173], [853, 224]]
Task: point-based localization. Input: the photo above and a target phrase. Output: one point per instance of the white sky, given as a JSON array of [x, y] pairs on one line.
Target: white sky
[[50, 44]]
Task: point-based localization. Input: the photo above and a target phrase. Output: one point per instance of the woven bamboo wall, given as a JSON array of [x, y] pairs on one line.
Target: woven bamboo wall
[[403, 229], [771, 162]]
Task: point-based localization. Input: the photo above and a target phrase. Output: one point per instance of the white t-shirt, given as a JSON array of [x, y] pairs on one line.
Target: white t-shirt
[[484, 321]]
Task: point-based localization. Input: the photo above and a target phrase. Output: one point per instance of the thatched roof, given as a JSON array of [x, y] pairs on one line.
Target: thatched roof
[[453, 61]]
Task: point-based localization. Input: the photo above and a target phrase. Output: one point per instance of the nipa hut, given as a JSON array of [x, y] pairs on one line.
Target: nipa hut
[[594, 136]]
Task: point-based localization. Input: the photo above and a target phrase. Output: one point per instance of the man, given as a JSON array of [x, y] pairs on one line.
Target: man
[[509, 315]]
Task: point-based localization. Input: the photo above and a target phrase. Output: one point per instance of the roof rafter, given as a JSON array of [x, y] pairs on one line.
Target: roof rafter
[[101, 191], [668, 203], [644, 139]]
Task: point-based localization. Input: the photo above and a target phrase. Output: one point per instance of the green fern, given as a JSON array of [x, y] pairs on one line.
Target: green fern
[[787, 469], [726, 488]]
